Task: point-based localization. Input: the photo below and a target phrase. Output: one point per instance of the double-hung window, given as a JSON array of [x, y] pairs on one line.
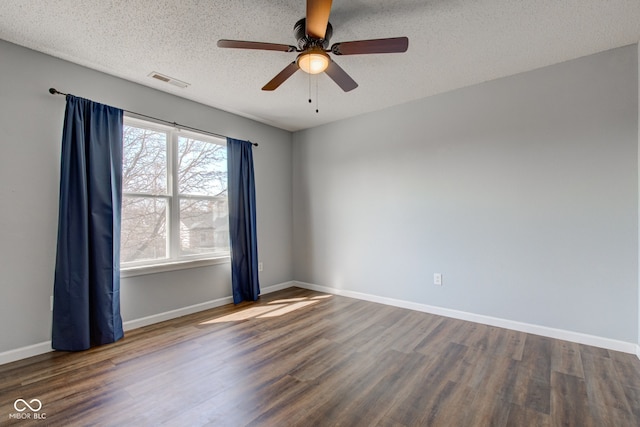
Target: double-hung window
[[174, 196]]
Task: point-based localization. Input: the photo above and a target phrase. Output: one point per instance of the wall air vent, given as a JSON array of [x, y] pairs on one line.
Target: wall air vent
[[168, 79]]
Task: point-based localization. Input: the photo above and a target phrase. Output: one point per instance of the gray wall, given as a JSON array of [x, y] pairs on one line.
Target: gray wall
[[522, 192], [31, 131]]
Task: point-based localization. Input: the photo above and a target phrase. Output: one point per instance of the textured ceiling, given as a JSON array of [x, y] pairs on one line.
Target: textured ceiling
[[452, 44]]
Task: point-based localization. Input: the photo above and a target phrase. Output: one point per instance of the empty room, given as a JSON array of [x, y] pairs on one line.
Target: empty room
[[319, 213]]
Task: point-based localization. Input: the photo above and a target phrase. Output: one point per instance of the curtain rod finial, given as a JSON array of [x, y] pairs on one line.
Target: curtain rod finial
[[54, 91]]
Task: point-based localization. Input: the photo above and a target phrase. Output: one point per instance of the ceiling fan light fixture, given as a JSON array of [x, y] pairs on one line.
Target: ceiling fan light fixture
[[313, 62]]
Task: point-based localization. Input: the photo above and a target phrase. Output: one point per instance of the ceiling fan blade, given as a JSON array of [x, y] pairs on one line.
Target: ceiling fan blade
[[318, 12], [391, 45], [341, 77], [241, 44], [281, 76]]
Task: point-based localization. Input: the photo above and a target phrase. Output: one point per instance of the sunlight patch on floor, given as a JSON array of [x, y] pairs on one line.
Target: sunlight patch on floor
[[280, 301], [288, 309], [272, 309]]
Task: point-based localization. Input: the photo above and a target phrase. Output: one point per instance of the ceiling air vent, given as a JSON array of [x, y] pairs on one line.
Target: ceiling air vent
[[169, 80]]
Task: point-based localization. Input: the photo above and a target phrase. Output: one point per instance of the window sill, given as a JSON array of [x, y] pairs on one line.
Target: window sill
[[171, 266]]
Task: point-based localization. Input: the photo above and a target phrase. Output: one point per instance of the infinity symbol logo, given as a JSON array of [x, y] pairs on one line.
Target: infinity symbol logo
[[24, 405]]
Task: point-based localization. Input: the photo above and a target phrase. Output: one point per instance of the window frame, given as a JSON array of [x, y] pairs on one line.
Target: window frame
[[174, 259]]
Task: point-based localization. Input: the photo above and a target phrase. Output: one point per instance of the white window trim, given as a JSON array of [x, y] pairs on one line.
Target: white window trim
[[143, 270], [146, 267]]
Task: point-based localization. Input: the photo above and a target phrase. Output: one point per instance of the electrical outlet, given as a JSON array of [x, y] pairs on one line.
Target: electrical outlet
[[260, 266], [437, 279], [51, 302]]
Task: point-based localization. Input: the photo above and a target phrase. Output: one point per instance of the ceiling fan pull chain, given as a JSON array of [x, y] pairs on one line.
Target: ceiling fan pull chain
[[309, 88], [317, 96]]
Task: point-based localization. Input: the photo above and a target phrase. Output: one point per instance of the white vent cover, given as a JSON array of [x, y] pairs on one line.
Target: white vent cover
[[168, 79]]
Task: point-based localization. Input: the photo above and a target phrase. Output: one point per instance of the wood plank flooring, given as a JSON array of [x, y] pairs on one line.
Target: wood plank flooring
[[302, 358]]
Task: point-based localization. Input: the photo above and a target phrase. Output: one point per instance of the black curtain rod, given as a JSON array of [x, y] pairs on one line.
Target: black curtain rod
[[53, 91]]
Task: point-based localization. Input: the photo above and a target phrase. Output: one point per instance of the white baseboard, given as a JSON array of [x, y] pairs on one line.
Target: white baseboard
[[45, 347], [626, 347], [172, 314], [278, 287], [24, 352], [545, 331]]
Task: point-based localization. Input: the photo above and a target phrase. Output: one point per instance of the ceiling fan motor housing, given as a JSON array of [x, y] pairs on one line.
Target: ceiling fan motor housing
[[305, 41]]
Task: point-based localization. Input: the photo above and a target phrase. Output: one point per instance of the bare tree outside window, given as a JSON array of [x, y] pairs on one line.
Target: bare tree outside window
[[165, 172], [202, 171]]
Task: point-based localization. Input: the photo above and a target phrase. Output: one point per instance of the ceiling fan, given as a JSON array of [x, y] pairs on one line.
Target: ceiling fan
[[313, 34]]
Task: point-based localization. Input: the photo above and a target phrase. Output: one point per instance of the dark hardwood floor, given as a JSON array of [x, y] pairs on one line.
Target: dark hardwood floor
[[301, 358]]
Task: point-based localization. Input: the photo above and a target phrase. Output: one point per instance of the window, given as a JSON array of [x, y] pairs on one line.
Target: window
[[174, 196]]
